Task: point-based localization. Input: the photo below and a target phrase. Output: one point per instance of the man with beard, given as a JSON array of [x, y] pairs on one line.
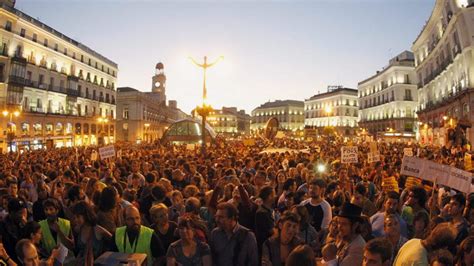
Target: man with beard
[[136, 238], [55, 230], [318, 208], [390, 206], [231, 243], [351, 249], [264, 218], [11, 226]]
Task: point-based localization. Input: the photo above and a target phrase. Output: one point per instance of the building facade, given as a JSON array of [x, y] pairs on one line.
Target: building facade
[[61, 92], [230, 121], [338, 108], [144, 116], [444, 60], [290, 114], [388, 100]]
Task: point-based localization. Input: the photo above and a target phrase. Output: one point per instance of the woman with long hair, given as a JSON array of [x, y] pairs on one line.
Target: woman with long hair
[[188, 251], [90, 237], [276, 249], [110, 212], [164, 228]]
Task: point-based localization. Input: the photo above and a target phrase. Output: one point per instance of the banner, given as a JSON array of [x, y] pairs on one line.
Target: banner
[[349, 154], [107, 152], [434, 171], [408, 152], [373, 157], [412, 166]]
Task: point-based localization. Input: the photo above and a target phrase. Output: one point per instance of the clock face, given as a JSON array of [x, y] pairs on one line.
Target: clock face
[[157, 84]]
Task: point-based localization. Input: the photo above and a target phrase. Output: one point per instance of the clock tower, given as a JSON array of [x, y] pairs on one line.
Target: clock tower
[[159, 83]]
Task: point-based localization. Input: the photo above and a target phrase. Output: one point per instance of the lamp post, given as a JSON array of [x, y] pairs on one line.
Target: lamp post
[[11, 128], [102, 121], [146, 125], [205, 109]]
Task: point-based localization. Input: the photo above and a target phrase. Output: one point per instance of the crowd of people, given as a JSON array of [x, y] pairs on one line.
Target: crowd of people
[[237, 205]]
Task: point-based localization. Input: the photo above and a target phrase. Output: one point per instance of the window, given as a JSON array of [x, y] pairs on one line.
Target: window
[[82, 58], [35, 37], [90, 62], [56, 47], [125, 113], [51, 82], [112, 113], [86, 112], [8, 25], [28, 76], [73, 55], [96, 65], [46, 42], [41, 79], [22, 32]]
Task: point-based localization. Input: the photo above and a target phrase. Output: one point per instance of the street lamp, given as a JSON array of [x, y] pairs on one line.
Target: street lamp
[[205, 109], [147, 125], [102, 121], [11, 128]]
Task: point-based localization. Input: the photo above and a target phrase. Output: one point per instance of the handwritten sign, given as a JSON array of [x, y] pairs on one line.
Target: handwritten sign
[[408, 152], [434, 171], [460, 180], [107, 152], [412, 166], [373, 157], [349, 154]]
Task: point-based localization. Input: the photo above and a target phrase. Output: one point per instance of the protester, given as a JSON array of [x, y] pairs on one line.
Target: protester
[[378, 252], [231, 243], [350, 250]]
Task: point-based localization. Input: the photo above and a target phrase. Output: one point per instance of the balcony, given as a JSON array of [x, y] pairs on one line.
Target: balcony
[[17, 80], [72, 92], [408, 98], [101, 99]]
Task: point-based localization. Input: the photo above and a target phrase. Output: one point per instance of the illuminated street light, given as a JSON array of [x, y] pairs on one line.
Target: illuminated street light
[[205, 109]]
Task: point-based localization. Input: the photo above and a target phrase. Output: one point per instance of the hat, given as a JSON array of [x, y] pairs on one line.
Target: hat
[[15, 205], [351, 211]]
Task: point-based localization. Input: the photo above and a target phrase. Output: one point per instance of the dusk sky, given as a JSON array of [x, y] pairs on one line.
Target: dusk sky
[[273, 49]]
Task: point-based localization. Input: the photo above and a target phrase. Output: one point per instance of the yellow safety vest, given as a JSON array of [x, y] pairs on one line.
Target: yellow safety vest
[[47, 240], [141, 245]]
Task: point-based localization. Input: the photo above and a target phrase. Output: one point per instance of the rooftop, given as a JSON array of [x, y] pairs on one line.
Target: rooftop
[[405, 58], [333, 90], [279, 103], [56, 33]]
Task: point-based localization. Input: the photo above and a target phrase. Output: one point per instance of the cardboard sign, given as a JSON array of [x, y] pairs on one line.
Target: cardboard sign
[[408, 152], [349, 154], [373, 157], [94, 156], [249, 142], [412, 166], [467, 162], [107, 152], [373, 147]]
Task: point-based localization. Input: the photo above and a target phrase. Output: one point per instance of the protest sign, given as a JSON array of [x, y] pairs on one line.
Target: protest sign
[[435, 172], [389, 183], [460, 180], [408, 152], [190, 147], [107, 152], [373, 147], [467, 162], [349, 154], [249, 142], [94, 156], [412, 166], [373, 157]]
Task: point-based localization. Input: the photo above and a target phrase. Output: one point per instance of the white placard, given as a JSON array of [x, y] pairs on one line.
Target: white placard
[[434, 171], [349, 154], [460, 180], [373, 157], [107, 152], [412, 166], [408, 152]]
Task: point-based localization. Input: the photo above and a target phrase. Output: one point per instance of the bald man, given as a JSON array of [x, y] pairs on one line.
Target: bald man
[[136, 238]]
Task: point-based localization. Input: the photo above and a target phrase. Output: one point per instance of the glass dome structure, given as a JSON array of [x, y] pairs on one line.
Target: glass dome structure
[[187, 131]]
